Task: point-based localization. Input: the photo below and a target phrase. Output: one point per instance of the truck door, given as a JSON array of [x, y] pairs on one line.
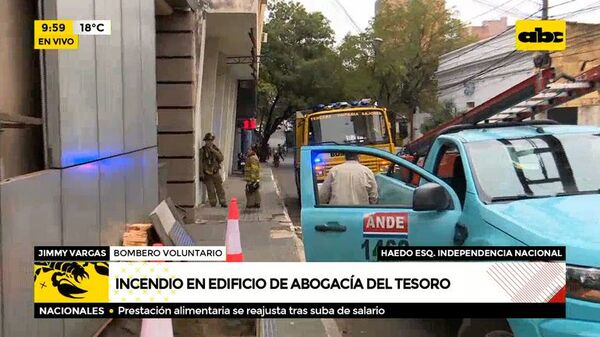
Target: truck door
[[403, 214]]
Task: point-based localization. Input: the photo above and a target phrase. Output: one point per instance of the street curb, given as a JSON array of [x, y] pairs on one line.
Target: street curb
[[330, 326], [297, 242]]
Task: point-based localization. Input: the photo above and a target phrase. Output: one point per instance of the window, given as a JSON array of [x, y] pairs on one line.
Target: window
[[450, 169], [535, 167], [357, 127], [361, 180]]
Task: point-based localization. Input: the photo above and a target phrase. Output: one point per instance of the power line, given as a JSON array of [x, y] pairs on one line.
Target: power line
[[490, 10], [594, 6], [587, 39], [500, 75], [501, 33], [490, 68], [358, 30], [515, 13]]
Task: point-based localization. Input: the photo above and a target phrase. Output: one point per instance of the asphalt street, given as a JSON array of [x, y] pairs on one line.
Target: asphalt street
[[359, 327]]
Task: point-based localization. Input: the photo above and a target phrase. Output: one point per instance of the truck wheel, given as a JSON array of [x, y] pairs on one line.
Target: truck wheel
[[484, 328]]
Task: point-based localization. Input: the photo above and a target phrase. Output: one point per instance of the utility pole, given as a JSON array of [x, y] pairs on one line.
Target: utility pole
[[544, 9], [545, 56]]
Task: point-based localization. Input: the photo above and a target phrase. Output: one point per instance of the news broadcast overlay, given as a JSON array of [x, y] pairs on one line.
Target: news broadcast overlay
[[158, 282], [64, 34], [500, 253]]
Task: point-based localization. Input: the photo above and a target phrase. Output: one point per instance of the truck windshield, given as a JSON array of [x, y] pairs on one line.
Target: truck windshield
[[536, 167], [364, 127]]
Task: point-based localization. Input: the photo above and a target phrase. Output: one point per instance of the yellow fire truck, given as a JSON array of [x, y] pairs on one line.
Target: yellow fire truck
[[358, 122]]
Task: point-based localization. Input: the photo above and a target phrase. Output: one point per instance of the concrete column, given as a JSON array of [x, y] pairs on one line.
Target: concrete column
[[227, 120], [209, 84], [200, 42], [231, 120], [220, 98], [176, 92]]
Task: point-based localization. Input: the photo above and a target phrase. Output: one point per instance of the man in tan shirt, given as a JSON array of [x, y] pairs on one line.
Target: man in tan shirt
[[350, 183]]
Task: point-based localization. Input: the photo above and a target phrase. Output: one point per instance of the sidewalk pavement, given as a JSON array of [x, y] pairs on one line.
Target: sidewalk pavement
[[267, 235]]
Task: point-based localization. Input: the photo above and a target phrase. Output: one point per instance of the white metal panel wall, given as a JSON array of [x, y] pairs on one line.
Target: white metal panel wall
[[112, 200], [77, 81], [52, 103], [132, 74], [134, 187], [31, 215], [109, 79], [81, 200], [150, 171], [148, 57]]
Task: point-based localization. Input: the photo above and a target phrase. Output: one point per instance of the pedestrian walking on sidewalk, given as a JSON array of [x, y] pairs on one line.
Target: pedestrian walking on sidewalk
[[252, 175], [210, 165]]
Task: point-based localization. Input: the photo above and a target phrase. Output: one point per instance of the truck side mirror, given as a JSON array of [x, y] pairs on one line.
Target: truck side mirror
[[431, 197]]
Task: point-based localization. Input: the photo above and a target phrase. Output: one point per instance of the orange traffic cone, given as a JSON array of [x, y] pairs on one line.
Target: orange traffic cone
[[157, 327], [232, 235]]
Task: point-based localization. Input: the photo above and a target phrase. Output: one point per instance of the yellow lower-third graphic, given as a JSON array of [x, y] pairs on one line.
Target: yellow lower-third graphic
[[59, 282]]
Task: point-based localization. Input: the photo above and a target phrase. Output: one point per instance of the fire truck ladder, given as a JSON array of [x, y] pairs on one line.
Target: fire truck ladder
[[532, 96]]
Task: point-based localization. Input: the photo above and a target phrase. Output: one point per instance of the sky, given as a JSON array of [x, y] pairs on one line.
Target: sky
[[473, 11]]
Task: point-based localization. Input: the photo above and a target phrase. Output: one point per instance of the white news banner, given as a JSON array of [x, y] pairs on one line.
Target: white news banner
[[92, 27], [167, 253], [336, 282]]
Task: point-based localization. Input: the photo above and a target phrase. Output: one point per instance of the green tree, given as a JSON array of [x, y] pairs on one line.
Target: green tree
[[300, 68], [358, 54], [443, 112], [414, 35]]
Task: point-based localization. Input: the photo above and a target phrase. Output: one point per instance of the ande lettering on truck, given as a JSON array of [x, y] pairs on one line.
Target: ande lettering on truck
[[386, 225]]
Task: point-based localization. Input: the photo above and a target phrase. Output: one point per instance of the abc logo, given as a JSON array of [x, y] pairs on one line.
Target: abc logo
[[537, 35]]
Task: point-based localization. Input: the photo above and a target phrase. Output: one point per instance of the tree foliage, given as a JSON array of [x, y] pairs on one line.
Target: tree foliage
[[443, 112], [393, 61], [414, 35], [300, 67], [357, 54]]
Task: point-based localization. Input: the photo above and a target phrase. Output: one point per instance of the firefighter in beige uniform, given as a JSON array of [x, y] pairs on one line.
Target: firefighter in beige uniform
[[350, 183], [210, 164]]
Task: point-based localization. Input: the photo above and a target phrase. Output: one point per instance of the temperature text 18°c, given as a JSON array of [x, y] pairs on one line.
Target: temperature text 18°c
[[92, 27]]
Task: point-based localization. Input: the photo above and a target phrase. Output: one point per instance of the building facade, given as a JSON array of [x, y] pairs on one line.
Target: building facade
[[582, 53], [489, 28], [475, 73], [90, 165], [82, 131], [205, 61]]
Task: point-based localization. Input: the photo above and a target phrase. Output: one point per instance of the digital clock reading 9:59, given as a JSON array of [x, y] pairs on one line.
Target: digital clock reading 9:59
[[53, 27]]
